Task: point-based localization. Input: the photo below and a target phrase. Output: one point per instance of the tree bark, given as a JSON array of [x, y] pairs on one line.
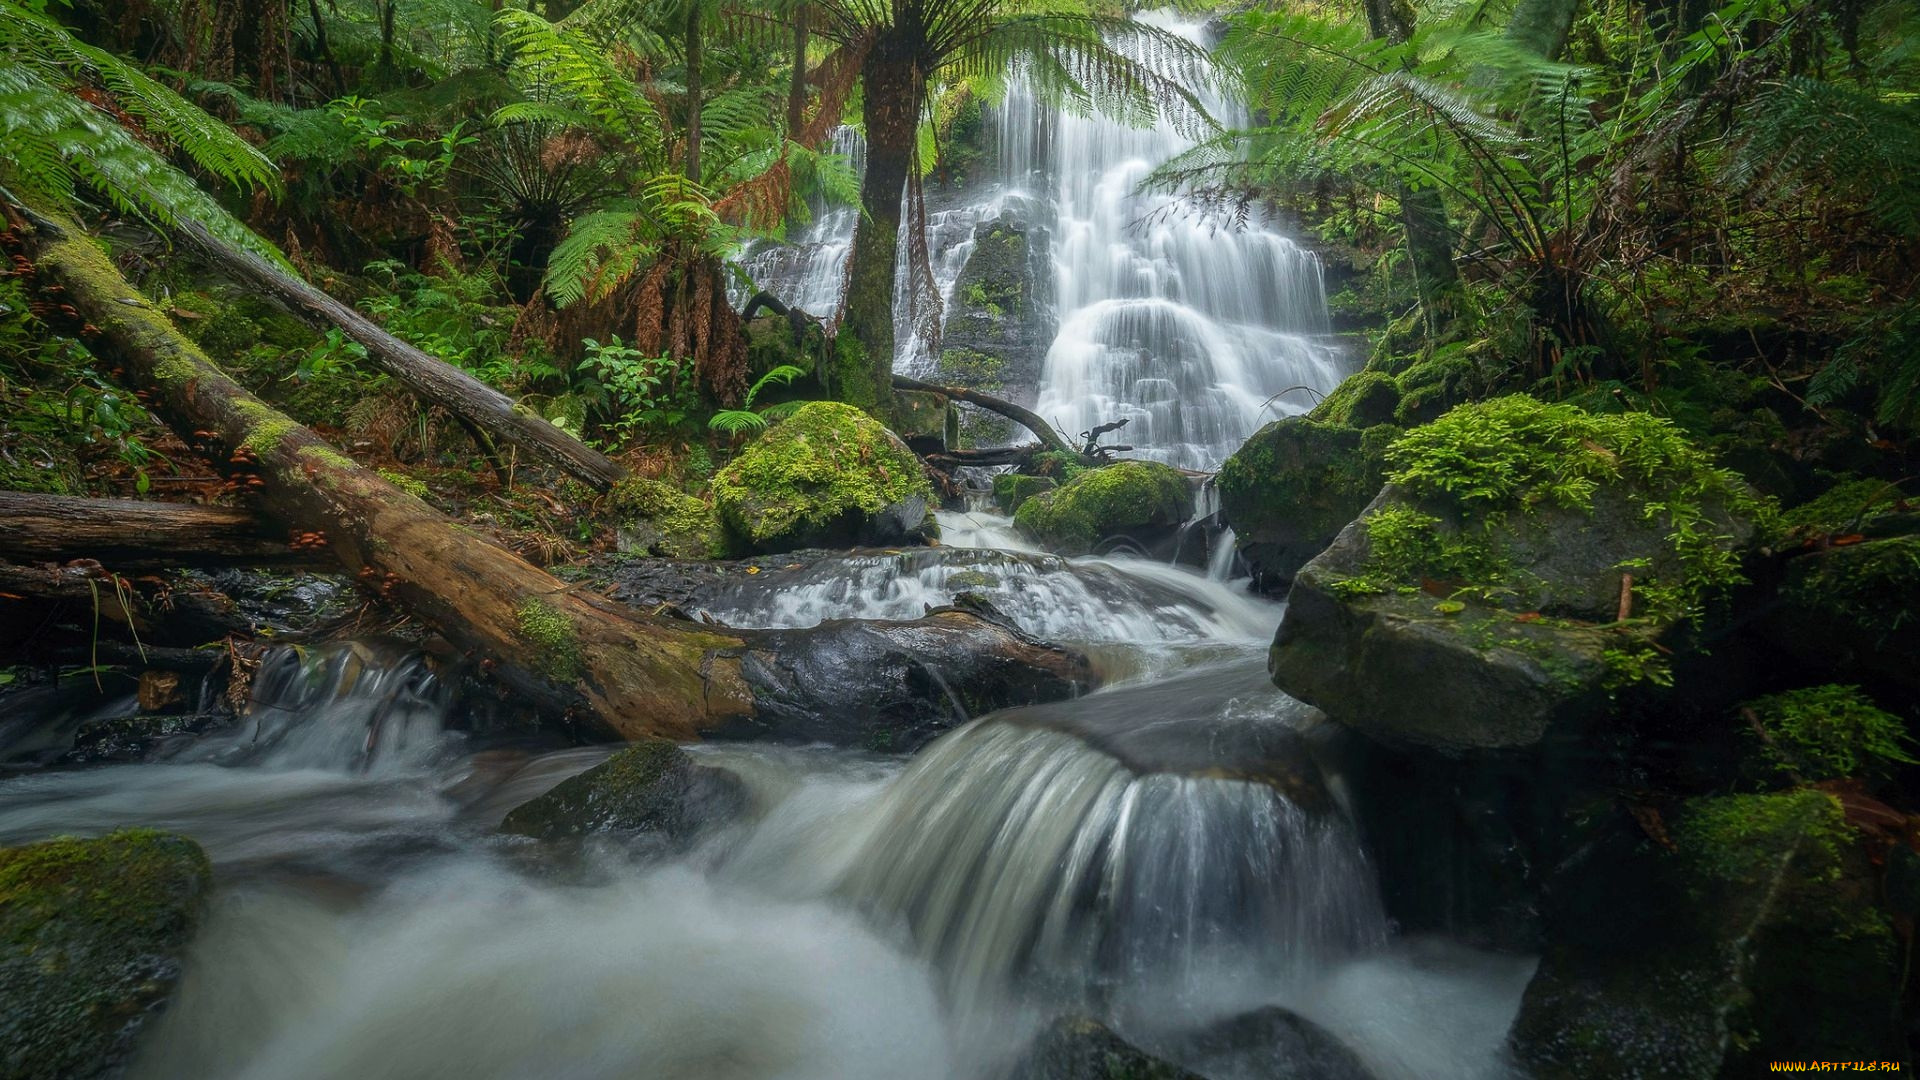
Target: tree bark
[[433, 380], [693, 44], [1423, 214], [1026, 418], [797, 80], [569, 653], [863, 363], [131, 535]]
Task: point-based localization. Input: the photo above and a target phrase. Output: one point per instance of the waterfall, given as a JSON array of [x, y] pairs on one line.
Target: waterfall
[[1194, 332]]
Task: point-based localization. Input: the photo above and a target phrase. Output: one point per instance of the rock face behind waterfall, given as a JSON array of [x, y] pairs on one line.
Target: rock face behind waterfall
[[1478, 599], [999, 322], [827, 476], [91, 934]]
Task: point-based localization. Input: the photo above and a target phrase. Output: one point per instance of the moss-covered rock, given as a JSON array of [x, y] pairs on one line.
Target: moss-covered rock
[[652, 788], [1076, 1048], [925, 420], [1139, 502], [655, 519], [1478, 599], [91, 934], [1854, 607], [1755, 938], [827, 476], [1362, 400], [1012, 489], [1290, 489], [999, 324]]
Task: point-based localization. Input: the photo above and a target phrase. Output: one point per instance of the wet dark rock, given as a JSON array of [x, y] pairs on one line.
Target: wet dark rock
[[1290, 489], [1756, 938], [1272, 1043], [91, 936], [1076, 1048], [278, 603], [894, 687], [652, 788], [1853, 608]]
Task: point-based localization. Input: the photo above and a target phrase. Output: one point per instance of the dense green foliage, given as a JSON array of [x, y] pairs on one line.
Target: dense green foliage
[[1826, 731]]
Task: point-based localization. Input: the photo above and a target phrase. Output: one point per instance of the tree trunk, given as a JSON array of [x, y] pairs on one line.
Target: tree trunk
[[693, 90], [1423, 214], [1026, 418], [570, 653], [433, 380], [1541, 26], [797, 81], [863, 361], [131, 535]]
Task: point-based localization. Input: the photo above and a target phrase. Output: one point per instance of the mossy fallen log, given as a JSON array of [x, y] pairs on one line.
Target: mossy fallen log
[[130, 535], [566, 651]]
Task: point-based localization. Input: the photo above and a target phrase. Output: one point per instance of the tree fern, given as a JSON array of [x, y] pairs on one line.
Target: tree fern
[[51, 142]]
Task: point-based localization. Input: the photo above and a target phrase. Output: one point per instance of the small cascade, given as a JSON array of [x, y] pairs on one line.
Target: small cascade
[[360, 706], [1017, 854]]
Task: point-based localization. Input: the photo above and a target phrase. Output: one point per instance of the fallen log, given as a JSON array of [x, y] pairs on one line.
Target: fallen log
[[478, 406], [130, 535], [566, 651], [83, 601], [1026, 418]]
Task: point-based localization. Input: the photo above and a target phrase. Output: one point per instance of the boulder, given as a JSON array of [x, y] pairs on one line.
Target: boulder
[[1129, 503], [652, 518], [827, 476], [1271, 1042], [1755, 938], [1852, 608], [652, 789], [91, 937], [1076, 1048], [1290, 489], [1012, 489], [1477, 602], [999, 324]]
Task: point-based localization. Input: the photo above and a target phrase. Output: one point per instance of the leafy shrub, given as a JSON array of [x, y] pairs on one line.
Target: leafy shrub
[[1827, 731]]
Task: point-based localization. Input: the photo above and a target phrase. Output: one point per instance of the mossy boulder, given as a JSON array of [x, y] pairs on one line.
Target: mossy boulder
[[827, 476], [1010, 490], [1362, 400], [1131, 503], [1077, 1048], [1290, 489], [655, 519], [1856, 608], [1753, 937], [925, 420], [1478, 599], [91, 936], [651, 789]]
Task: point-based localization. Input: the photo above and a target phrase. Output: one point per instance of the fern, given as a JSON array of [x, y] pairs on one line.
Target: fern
[[52, 143]]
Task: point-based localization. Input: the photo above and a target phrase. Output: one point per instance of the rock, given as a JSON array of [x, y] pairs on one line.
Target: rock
[[827, 476], [1274, 1043], [999, 324], [1362, 400], [91, 936], [1475, 603], [1852, 608], [1076, 1048], [1756, 939], [925, 420], [1012, 489], [1290, 489], [654, 519], [651, 788], [915, 679], [1137, 503]]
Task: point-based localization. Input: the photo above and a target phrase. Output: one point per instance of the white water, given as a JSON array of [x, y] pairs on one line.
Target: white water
[[1195, 333]]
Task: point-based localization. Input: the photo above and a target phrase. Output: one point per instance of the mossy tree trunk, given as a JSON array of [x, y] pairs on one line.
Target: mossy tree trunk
[[863, 368], [567, 651]]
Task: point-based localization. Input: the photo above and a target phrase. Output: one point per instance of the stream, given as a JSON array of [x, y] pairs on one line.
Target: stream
[[869, 916]]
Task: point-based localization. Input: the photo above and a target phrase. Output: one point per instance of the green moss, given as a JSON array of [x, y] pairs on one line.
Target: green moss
[[852, 379], [267, 427], [1361, 400], [1104, 502], [90, 936], [409, 484], [677, 525], [631, 791], [175, 367], [1872, 586], [1010, 490], [808, 474], [1739, 838], [1303, 479], [1822, 732], [971, 367], [1058, 464], [326, 455], [1841, 509], [556, 649]]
